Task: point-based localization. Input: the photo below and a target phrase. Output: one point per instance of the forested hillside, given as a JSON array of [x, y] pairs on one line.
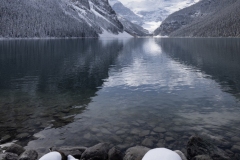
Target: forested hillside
[[57, 18], [207, 18]]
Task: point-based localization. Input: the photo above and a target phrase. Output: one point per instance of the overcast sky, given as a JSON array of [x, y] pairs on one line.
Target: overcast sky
[[126, 1]]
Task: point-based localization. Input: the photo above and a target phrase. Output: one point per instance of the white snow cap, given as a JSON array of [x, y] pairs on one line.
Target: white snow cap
[[52, 156], [55, 156], [161, 154]]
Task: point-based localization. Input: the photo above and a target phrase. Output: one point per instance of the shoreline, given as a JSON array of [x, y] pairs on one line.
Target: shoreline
[[197, 149]]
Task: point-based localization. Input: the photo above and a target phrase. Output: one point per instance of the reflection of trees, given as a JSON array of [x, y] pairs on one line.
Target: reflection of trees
[[44, 80], [218, 58]]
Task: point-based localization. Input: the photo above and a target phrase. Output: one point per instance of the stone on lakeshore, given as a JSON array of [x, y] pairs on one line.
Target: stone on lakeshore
[[140, 121], [144, 133], [5, 139], [235, 139], [135, 153], [117, 139], [87, 136], [74, 151], [180, 153], [236, 148], [159, 130], [202, 157], [8, 156], [169, 139], [29, 155], [197, 146], [115, 154], [147, 142], [97, 152], [22, 135], [135, 131], [94, 129], [105, 131], [178, 129], [120, 132], [160, 144], [15, 148]]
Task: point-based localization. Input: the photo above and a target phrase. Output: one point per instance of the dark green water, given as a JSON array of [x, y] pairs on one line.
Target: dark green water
[[153, 92]]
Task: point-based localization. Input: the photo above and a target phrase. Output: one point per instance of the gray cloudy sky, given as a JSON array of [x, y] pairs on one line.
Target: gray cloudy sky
[[126, 1]]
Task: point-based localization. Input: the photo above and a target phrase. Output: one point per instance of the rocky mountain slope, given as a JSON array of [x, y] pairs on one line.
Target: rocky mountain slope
[[125, 12], [133, 29], [57, 18], [207, 18]]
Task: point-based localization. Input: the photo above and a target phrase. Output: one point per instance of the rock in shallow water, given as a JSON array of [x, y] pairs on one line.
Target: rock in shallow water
[[159, 130], [115, 154], [29, 155], [147, 142], [135, 153], [15, 148], [5, 139], [22, 135], [197, 146], [74, 151], [97, 152], [8, 156]]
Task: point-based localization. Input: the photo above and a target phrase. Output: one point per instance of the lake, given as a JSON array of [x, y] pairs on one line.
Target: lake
[[147, 91]]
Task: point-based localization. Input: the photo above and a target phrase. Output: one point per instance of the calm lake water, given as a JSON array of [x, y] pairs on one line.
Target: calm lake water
[[152, 92]]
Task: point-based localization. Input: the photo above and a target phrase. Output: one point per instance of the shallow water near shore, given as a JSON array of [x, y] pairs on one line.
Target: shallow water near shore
[[151, 92]]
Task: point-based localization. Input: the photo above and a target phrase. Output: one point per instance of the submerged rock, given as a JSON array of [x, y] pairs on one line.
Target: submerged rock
[[8, 156], [147, 142], [22, 135], [97, 152], [15, 148], [29, 155], [159, 130], [74, 151], [115, 154], [135, 153], [181, 154], [202, 157], [197, 147], [5, 139]]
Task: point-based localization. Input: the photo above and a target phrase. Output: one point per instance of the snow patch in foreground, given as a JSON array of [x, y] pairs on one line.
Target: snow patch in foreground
[[106, 34]]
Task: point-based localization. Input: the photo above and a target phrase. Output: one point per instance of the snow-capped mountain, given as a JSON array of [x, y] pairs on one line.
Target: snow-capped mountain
[[133, 29], [125, 12], [58, 18], [153, 12]]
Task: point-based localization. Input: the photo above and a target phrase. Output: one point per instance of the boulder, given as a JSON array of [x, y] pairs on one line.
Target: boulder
[[29, 155], [5, 139], [197, 146], [97, 152], [135, 153], [202, 157], [8, 156], [181, 154], [15, 148], [115, 154], [74, 151]]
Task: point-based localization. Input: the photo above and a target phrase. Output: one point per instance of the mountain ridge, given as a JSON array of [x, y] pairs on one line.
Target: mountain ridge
[[57, 18], [215, 18]]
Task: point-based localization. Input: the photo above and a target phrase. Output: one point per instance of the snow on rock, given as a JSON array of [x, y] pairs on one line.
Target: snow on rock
[[161, 154], [107, 34], [52, 156]]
